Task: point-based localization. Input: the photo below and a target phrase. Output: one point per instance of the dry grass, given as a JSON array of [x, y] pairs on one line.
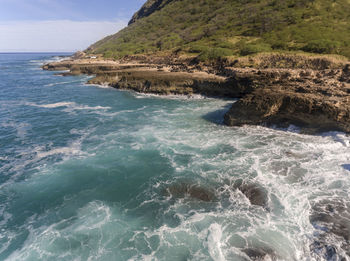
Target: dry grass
[[290, 61]]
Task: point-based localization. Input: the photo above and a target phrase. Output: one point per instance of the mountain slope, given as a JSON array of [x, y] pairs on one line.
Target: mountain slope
[[214, 28], [148, 8]]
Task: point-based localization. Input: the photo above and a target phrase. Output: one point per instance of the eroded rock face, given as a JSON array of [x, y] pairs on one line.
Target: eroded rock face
[[313, 100], [188, 190], [311, 112], [331, 219]]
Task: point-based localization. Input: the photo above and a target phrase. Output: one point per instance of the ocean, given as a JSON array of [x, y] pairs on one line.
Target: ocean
[[93, 173]]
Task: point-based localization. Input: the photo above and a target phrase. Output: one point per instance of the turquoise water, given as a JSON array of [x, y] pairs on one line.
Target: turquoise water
[[93, 173]]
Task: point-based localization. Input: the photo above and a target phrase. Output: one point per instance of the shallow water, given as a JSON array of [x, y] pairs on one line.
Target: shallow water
[[91, 173]]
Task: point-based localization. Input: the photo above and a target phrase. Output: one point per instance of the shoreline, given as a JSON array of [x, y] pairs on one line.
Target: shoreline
[[316, 100], [290, 128]]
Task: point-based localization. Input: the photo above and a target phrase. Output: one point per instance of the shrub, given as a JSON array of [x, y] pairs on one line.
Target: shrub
[[198, 48], [322, 46], [214, 54], [255, 48], [279, 45]]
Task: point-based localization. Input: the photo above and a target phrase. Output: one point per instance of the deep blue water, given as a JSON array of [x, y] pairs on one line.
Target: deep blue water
[[93, 173]]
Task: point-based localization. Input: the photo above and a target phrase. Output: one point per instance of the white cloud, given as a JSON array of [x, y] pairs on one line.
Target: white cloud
[[58, 35]]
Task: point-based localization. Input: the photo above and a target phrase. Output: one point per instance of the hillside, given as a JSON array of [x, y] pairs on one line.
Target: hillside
[[214, 28]]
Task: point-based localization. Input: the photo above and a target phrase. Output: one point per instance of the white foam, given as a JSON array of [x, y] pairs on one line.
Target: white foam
[[21, 128], [63, 150], [171, 96], [93, 221], [55, 59], [52, 105], [214, 242], [292, 167], [61, 83], [102, 86], [72, 150], [313, 164], [69, 105]]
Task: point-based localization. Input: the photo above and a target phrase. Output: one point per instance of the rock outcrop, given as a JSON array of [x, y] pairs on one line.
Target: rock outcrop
[[189, 190], [254, 192], [315, 99], [260, 254], [153, 78]]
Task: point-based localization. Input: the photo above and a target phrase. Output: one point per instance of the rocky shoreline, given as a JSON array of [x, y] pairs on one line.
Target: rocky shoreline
[[313, 93]]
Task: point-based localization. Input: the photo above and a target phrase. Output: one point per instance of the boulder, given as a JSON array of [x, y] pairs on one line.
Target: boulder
[[260, 254], [256, 194], [190, 190]]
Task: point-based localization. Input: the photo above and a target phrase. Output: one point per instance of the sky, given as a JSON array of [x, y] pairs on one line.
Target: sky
[[60, 25]]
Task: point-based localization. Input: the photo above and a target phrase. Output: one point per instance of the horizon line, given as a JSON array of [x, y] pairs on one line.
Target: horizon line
[[9, 52]]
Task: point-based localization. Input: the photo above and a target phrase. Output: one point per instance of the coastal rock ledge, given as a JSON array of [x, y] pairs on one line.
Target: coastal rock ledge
[[316, 99]]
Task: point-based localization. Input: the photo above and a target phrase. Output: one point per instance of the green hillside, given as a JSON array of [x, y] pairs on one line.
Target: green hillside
[[215, 28]]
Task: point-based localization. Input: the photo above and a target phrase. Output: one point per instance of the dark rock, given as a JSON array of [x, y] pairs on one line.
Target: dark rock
[[346, 166], [324, 250], [194, 191], [345, 77], [260, 254], [278, 107], [312, 99], [334, 215], [256, 194], [332, 220]]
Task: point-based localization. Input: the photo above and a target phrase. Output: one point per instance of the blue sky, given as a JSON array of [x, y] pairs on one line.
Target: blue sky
[[60, 25]]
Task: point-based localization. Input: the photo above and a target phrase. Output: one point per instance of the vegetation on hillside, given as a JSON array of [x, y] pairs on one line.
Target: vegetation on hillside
[[216, 28]]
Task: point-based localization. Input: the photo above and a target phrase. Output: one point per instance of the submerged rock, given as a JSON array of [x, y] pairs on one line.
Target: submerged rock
[[260, 254], [188, 190], [328, 252], [331, 218], [256, 194]]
